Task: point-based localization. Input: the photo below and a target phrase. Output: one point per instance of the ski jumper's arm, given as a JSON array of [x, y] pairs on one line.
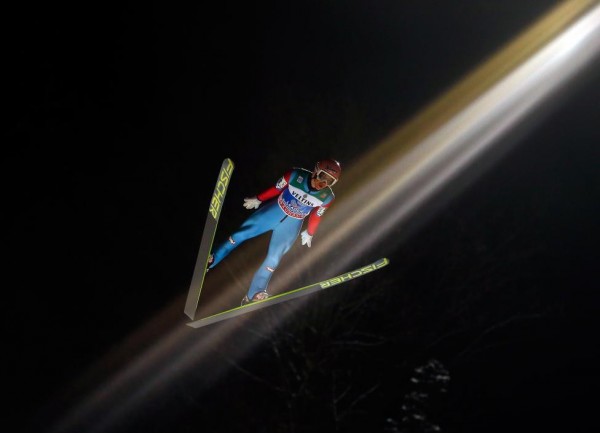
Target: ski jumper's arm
[[314, 218], [276, 189]]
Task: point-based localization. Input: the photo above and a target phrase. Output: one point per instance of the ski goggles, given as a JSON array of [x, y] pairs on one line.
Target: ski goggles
[[323, 176]]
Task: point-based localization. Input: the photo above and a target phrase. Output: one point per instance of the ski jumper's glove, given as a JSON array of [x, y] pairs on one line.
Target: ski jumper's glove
[[306, 238], [252, 203]]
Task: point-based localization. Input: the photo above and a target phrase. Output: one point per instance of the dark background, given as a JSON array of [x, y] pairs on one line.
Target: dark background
[[119, 117]]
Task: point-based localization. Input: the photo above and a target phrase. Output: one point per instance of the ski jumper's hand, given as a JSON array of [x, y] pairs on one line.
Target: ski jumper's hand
[[306, 238], [252, 203]]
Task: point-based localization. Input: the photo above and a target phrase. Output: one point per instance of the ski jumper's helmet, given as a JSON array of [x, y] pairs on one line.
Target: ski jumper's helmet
[[329, 169]]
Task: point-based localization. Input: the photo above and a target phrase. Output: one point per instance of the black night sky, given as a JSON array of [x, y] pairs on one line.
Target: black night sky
[[119, 116]]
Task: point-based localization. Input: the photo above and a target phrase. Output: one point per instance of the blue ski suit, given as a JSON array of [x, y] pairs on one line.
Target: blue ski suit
[[283, 210]]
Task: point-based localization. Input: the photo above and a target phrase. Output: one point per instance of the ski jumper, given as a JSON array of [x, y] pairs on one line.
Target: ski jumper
[[295, 200]]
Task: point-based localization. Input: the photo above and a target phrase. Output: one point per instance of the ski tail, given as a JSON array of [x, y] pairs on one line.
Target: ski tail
[[302, 291], [208, 235]]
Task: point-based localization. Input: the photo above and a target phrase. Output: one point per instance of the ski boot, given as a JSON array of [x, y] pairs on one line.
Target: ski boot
[[257, 297]]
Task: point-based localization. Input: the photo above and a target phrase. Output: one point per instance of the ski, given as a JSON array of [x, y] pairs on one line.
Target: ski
[[208, 235], [302, 291]]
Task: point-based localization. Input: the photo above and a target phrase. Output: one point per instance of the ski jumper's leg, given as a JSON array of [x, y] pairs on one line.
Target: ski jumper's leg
[[282, 239], [256, 224]]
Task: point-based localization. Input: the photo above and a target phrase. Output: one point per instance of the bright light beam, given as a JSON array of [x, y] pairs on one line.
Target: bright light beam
[[399, 186], [423, 156]]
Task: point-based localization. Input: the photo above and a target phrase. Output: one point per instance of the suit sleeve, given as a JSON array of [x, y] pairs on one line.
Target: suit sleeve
[[314, 218], [276, 189]]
